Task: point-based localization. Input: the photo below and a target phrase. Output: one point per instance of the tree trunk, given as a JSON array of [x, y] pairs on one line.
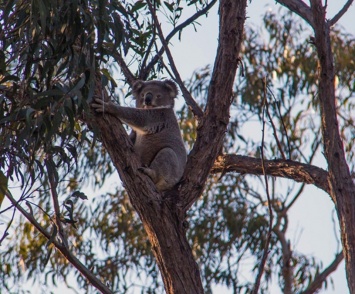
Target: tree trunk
[[158, 213], [171, 249], [342, 187]]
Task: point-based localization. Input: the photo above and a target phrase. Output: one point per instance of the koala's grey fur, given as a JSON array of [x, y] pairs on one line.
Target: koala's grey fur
[[156, 134]]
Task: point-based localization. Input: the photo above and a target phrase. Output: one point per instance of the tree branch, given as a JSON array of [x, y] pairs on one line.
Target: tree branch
[[211, 130], [287, 268], [321, 277], [5, 234], [300, 8], [62, 249], [299, 172], [195, 108], [341, 12], [53, 190], [123, 155]]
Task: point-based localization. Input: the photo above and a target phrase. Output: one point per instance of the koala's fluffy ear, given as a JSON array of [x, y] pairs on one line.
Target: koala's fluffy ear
[[172, 88], [137, 87]]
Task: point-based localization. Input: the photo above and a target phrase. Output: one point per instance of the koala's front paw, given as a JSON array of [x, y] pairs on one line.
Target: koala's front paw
[[99, 105]]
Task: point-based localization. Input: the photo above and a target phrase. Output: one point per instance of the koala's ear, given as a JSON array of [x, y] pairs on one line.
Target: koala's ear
[[137, 87], [172, 88]]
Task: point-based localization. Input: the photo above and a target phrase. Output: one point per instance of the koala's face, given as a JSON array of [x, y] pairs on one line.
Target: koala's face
[[154, 93]]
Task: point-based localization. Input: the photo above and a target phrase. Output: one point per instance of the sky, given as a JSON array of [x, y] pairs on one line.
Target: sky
[[311, 224]]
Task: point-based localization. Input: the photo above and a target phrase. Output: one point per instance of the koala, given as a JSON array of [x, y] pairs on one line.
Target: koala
[[156, 134]]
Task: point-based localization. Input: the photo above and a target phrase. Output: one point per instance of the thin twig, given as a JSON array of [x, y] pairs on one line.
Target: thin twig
[[8, 226], [57, 219], [340, 13], [266, 105], [147, 52], [29, 216], [298, 194], [268, 236], [6, 209], [195, 108], [282, 122], [41, 209]]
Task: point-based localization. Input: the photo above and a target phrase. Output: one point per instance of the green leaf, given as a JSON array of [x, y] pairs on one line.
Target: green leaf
[[138, 5], [3, 186], [80, 195], [79, 85], [29, 112], [7, 9], [169, 6]]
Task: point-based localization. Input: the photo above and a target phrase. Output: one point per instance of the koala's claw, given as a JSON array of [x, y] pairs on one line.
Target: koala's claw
[[98, 105]]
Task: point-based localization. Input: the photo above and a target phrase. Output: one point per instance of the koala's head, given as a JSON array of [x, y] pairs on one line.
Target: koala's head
[[152, 94]]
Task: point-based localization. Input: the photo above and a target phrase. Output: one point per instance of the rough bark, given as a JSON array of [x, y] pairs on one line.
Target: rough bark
[[162, 215], [342, 187], [212, 126], [300, 8]]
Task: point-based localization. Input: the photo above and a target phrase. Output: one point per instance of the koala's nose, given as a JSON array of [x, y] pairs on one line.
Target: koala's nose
[[148, 98]]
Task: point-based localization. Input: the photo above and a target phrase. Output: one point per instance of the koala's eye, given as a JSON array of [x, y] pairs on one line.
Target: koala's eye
[[158, 96]]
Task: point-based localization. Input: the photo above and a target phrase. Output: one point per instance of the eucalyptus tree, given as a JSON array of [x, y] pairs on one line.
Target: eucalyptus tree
[[230, 206]]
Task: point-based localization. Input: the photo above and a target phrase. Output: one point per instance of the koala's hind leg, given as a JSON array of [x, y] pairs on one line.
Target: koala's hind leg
[[165, 169]]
